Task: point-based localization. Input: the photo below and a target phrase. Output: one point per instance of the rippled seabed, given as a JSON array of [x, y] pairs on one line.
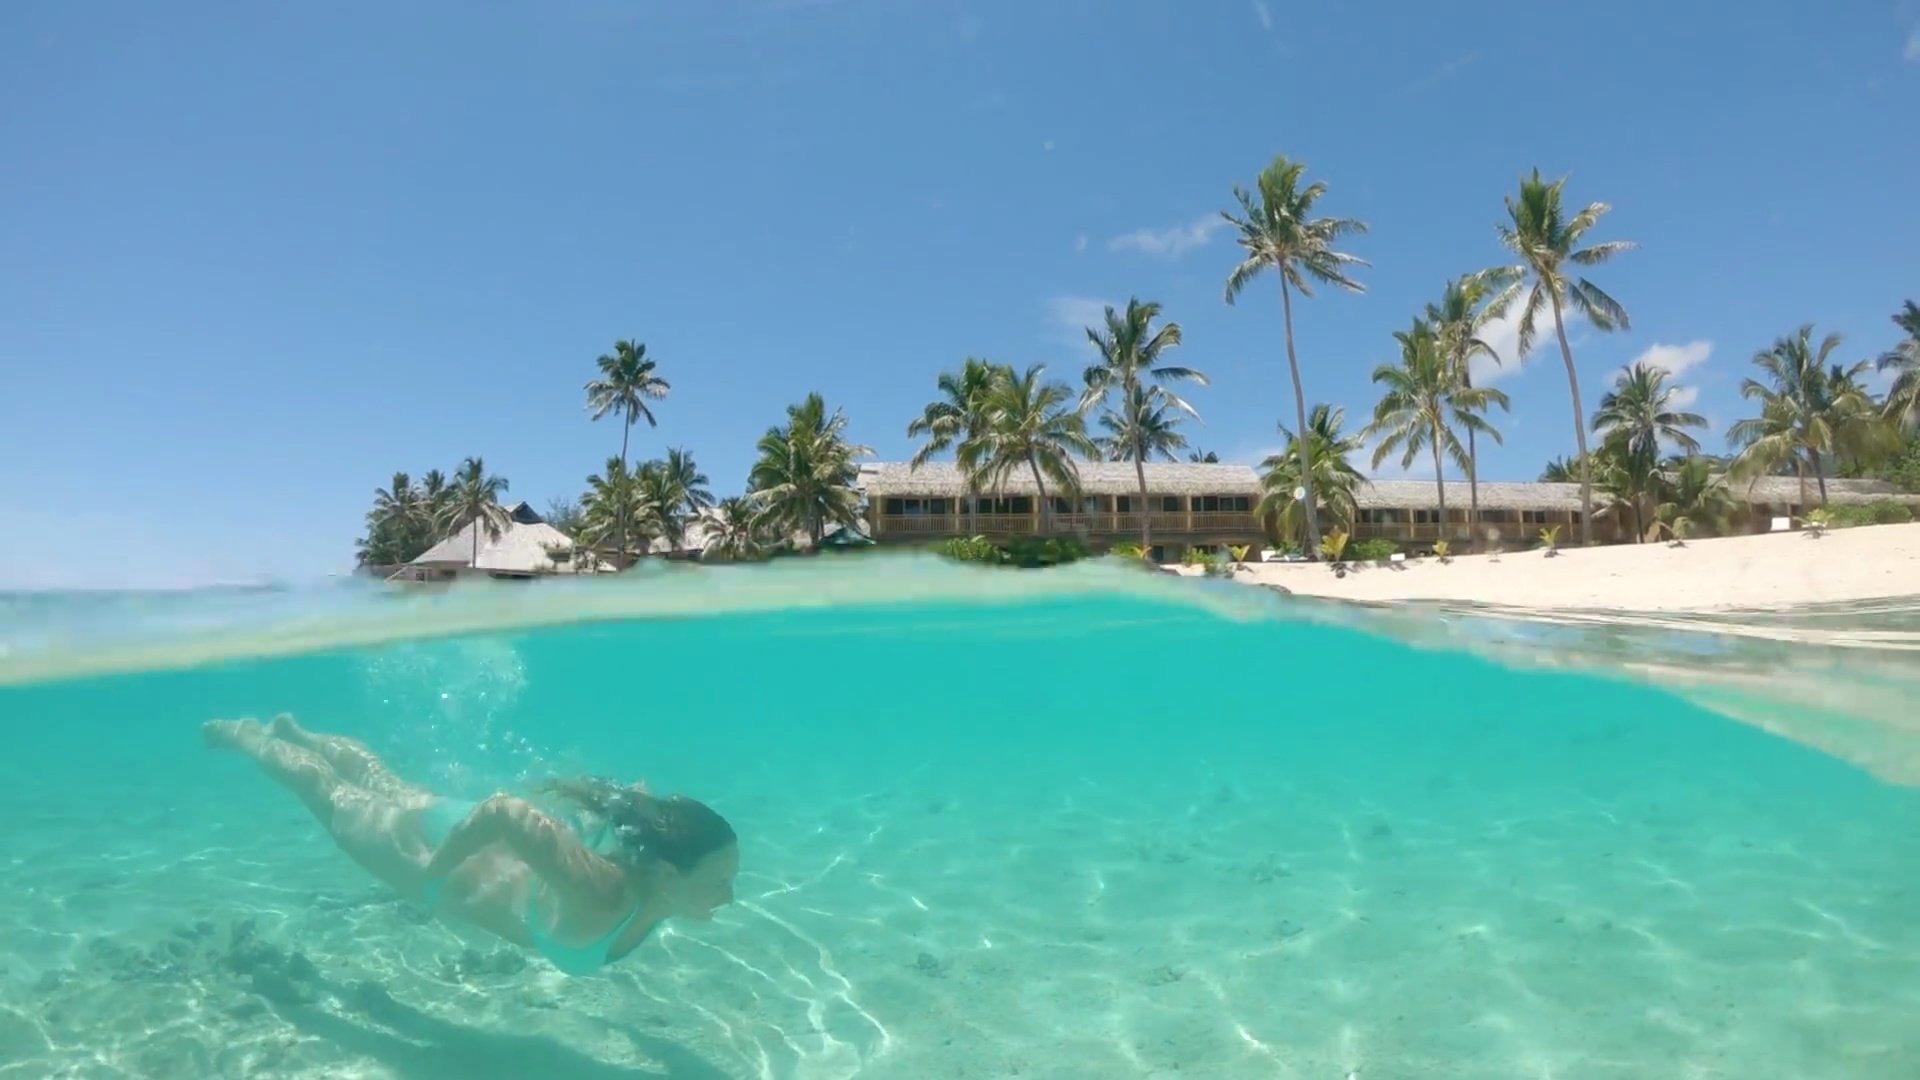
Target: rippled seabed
[[1079, 823]]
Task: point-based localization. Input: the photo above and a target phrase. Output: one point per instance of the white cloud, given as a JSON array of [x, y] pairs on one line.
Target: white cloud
[[1912, 53], [1170, 243], [1503, 334], [1080, 242], [1684, 396], [1675, 359], [1265, 14], [1069, 316]]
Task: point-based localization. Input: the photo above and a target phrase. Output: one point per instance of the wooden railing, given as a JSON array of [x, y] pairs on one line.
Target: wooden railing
[[1096, 524]]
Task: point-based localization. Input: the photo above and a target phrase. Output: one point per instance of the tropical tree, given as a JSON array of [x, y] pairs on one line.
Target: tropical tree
[[957, 415], [1807, 409], [1633, 480], [564, 515], [1641, 409], [628, 380], [1903, 361], [615, 511], [435, 494], [394, 525], [1695, 498], [1425, 401], [475, 500], [1465, 309], [803, 478], [1203, 457], [1131, 351], [1277, 230], [1032, 423], [1336, 479], [734, 531], [1548, 246], [687, 479], [1561, 470]]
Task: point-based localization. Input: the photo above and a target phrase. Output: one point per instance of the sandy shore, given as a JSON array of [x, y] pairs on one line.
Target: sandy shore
[[1778, 570]]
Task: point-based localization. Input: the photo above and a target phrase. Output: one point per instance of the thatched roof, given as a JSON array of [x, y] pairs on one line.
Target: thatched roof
[[1494, 495], [939, 479], [520, 548], [1783, 490]]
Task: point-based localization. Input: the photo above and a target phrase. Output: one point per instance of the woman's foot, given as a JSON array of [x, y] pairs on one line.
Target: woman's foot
[[285, 728], [230, 734]]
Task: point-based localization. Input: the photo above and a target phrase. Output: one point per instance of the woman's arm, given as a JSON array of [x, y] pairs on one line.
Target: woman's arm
[[549, 848]]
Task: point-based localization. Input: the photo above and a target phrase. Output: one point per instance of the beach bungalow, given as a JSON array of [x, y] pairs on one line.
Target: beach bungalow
[[1192, 505], [1511, 514], [526, 547]]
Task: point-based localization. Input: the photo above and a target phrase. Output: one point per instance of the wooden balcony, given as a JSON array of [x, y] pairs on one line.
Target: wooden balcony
[[1231, 523]]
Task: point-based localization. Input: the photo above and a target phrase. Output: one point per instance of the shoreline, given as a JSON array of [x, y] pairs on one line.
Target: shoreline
[[1768, 572]]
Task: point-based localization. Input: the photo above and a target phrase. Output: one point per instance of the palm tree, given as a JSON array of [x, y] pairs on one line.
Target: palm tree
[[1641, 410], [1546, 241], [1903, 360], [1561, 470], [1458, 320], [805, 473], [1423, 403], [1147, 427], [1034, 423], [1631, 478], [1130, 361], [1278, 231], [1335, 477], [958, 414], [615, 511], [1695, 498], [1204, 457], [686, 478], [733, 531], [1806, 409], [435, 493], [475, 500], [628, 380]]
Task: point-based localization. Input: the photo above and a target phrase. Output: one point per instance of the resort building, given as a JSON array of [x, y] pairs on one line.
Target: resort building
[[1210, 506], [526, 547]]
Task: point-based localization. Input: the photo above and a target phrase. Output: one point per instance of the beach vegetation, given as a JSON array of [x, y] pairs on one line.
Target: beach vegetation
[[1426, 405], [1549, 247], [1812, 411], [1133, 368], [474, 498], [958, 415], [804, 472], [1277, 230], [1460, 320], [1032, 424], [1443, 551], [1550, 540], [1377, 549], [1336, 480], [628, 380], [1902, 363], [1333, 547]]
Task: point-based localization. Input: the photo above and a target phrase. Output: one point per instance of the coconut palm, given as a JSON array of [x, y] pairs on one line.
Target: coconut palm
[[1695, 498], [1641, 409], [1424, 403], [1631, 478], [733, 531], [1465, 309], [1147, 427], [475, 500], [1561, 470], [1204, 457], [615, 511], [1277, 230], [1032, 423], [1807, 409], [1336, 479], [687, 479], [628, 380], [958, 414], [1903, 361], [435, 493], [1546, 241], [803, 478], [1130, 351]]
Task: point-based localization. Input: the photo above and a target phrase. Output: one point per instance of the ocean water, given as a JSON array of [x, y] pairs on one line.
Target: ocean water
[[1080, 823]]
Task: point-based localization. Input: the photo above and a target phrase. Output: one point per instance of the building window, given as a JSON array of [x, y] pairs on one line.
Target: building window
[[1214, 504], [903, 507], [1018, 504]]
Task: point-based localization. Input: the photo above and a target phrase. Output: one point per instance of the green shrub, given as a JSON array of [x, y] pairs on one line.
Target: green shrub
[[1198, 556], [1888, 512], [1127, 550], [971, 549], [1032, 551], [1372, 550]]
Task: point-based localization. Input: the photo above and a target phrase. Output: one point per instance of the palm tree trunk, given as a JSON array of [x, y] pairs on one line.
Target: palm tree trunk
[[1579, 425], [1146, 518], [473, 562], [1046, 511], [1440, 484], [626, 431], [1820, 474], [1300, 417], [1473, 476]]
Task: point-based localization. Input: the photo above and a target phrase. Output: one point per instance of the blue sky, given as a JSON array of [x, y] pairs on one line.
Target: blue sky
[[259, 256]]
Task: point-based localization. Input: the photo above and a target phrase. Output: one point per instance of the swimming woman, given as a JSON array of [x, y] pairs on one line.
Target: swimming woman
[[584, 882]]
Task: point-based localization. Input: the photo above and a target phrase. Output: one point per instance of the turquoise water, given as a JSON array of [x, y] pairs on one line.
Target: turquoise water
[[1067, 824]]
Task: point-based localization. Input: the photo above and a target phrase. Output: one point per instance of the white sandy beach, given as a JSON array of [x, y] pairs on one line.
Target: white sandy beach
[[1779, 570]]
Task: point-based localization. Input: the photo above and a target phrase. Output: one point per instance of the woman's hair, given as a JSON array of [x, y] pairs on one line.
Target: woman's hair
[[676, 830]]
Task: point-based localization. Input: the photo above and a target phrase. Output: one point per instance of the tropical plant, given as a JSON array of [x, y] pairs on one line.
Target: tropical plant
[[1334, 546], [1643, 411], [1550, 539], [1141, 427], [615, 511], [1204, 457], [1032, 423], [1277, 231], [1442, 550], [1335, 478], [564, 515], [957, 415], [628, 380], [1425, 401], [1695, 498], [1631, 479], [804, 475], [1546, 241], [733, 531], [1903, 362], [977, 549], [475, 500], [1561, 470], [1465, 309], [1807, 409], [1377, 549]]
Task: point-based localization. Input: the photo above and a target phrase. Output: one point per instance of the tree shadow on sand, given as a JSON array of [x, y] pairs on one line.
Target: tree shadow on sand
[[419, 1046]]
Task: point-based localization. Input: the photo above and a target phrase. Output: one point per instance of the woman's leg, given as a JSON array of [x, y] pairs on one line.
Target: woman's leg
[[295, 768], [350, 759]]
